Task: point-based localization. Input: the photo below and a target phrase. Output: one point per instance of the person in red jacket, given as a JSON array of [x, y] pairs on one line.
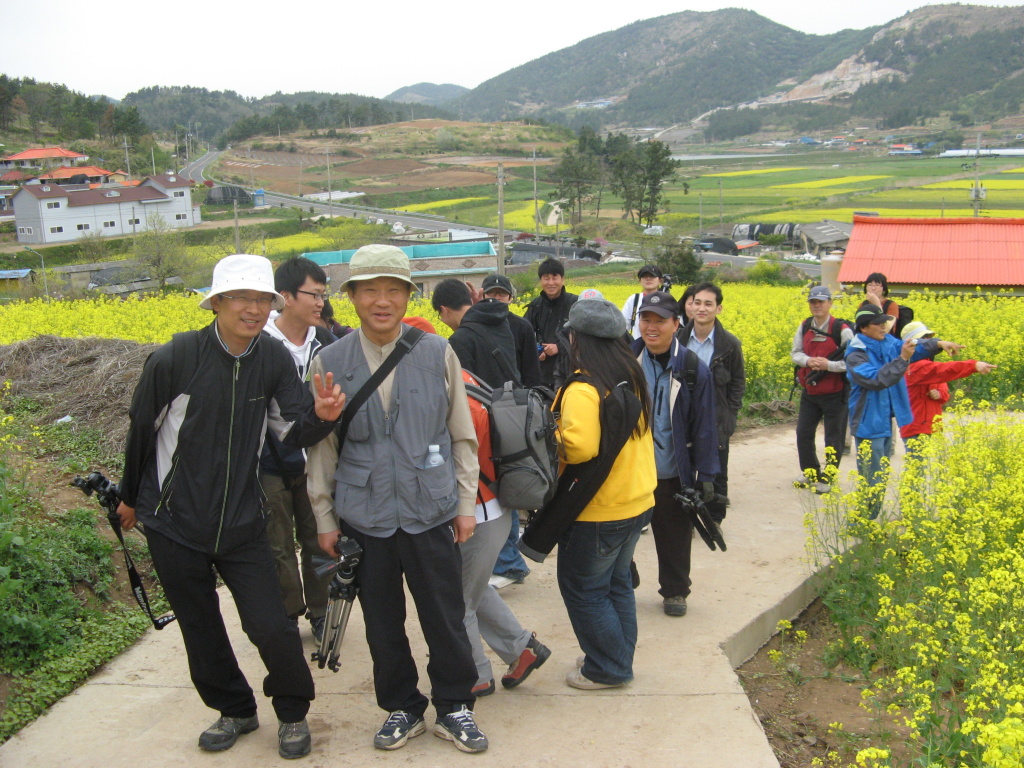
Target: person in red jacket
[[927, 387]]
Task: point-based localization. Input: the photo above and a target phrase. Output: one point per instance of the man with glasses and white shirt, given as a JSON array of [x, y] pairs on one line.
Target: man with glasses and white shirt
[[303, 284], [198, 418]]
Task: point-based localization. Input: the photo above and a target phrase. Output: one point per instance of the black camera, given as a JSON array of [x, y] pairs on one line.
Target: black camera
[[666, 282], [106, 492]]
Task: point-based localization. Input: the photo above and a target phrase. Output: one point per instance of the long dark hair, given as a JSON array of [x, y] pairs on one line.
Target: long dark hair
[[607, 363]]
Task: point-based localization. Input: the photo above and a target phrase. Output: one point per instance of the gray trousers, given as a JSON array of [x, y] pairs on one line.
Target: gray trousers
[[486, 612]]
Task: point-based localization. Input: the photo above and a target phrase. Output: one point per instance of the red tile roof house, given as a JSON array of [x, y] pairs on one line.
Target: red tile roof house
[[93, 174], [50, 213], [42, 157], [948, 254]]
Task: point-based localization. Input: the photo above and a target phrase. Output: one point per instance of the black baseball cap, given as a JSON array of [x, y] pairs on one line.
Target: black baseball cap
[[661, 303], [499, 282], [648, 270], [869, 314]]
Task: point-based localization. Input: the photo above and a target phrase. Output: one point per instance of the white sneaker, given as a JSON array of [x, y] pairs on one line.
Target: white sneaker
[[500, 582]]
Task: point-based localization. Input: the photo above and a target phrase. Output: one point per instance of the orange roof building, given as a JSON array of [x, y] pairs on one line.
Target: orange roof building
[[942, 254], [42, 156]]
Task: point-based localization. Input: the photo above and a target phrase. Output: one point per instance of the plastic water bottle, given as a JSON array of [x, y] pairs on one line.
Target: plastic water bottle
[[434, 457]]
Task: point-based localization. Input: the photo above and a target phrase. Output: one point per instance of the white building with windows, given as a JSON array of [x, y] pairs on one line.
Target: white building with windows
[[50, 213]]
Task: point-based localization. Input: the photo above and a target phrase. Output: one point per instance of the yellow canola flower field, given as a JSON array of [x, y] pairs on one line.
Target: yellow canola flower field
[[754, 172], [822, 183], [420, 207], [930, 598], [764, 318]]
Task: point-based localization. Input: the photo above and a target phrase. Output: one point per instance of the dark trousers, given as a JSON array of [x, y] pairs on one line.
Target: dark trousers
[[716, 508], [832, 408], [432, 566], [189, 579], [673, 533]]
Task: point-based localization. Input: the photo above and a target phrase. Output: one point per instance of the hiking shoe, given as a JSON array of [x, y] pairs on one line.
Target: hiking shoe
[[293, 739], [800, 481], [483, 689], [581, 660], [577, 679], [674, 606], [460, 727], [398, 729], [225, 732], [317, 624], [821, 488], [534, 655]]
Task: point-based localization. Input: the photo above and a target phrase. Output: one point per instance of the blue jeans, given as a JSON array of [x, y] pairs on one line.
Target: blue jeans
[[595, 582], [510, 562], [872, 471]]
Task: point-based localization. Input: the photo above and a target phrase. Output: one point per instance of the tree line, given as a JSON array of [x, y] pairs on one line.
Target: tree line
[[71, 114], [634, 170]]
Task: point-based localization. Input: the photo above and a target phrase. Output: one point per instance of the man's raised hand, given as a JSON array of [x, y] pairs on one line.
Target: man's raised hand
[[329, 399]]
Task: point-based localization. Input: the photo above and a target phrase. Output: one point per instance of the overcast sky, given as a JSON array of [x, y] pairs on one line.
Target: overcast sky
[[114, 47]]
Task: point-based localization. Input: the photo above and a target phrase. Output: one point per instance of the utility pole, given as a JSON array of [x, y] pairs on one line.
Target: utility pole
[[127, 159], [536, 202], [238, 239], [330, 194], [977, 193], [720, 206], [501, 218], [152, 156], [700, 213]]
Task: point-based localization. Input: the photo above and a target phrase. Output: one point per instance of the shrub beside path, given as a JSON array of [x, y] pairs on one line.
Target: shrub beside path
[[685, 709]]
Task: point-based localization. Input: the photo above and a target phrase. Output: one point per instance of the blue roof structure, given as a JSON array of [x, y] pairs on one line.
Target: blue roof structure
[[429, 251], [14, 274]]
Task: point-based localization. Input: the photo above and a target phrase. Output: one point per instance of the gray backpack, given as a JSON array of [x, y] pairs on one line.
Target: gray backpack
[[523, 445]]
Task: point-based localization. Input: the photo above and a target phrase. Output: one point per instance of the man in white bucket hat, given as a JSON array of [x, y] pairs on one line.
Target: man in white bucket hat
[[198, 418], [403, 482]]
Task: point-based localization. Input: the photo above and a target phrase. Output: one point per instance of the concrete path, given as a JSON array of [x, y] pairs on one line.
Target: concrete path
[[685, 708]]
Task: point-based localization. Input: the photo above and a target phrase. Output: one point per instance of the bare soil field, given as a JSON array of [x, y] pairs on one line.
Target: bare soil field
[[491, 161], [374, 167], [426, 180]]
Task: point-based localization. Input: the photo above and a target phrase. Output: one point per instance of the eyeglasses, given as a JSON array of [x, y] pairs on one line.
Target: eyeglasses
[[263, 302], [316, 296]]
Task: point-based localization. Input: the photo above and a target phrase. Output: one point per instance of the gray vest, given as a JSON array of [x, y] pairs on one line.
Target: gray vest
[[382, 482]]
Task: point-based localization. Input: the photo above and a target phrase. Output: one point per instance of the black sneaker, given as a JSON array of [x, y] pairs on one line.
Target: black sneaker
[[398, 729], [293, 739], [225, 732], [459, 727], [317, 624]]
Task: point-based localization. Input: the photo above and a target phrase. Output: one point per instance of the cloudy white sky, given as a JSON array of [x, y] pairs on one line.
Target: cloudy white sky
[[255, 48]]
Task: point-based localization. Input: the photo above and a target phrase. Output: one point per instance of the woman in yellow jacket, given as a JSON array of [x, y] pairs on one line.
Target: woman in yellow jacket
[[595, 552]]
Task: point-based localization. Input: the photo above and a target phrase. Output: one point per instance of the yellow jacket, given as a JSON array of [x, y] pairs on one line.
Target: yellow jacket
[[629, 489]]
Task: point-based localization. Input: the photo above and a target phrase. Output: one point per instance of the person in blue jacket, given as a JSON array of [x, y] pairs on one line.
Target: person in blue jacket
[[876, 364], [685, 439]]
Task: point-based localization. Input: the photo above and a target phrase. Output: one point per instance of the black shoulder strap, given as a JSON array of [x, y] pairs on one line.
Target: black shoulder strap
[[636, 304], [185, 359], [690, 372], [506, 367], [405, 344], [836, 331]]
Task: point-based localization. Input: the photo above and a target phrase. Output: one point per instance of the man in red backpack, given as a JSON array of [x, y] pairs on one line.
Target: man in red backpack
[[821, 370]]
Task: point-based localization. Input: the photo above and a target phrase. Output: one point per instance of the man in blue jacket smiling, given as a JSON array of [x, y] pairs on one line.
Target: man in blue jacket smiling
[[876, 363]]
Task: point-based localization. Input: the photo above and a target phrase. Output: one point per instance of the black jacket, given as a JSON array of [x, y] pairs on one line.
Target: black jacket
[[546, 317], [730, 378], [526, 350], [484, 343], [198, 417]]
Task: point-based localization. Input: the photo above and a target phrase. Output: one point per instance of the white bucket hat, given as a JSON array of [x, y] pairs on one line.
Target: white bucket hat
[[243, 272]]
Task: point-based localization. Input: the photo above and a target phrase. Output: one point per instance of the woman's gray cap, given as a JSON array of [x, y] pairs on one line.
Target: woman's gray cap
[[597, 317]]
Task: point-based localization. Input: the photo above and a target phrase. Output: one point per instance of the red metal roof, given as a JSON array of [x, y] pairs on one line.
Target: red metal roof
[[953, 251], [44, 153]]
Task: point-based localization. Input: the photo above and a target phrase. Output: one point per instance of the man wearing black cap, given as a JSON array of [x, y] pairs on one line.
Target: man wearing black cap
[[876, 363], [650, 281], [685, 439], [818, 353], [499, 287], [546, 315]]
